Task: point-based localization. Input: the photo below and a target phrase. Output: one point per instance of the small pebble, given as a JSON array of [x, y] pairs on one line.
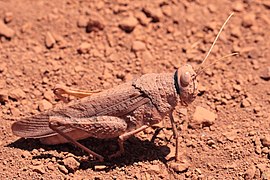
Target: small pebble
[[17, 94], [100, 167], [238, 6], [250, 172], [245, 103], [266, 73], [71, 164], [128, 24], [8, 17], [202, 117], [49, 40], [154, 12], [84, 48], [44, 105], [82, 21], [6, 31], [38, 169], [154, 169], [138, 46], [180, 166], [63, 169], [266, 141]]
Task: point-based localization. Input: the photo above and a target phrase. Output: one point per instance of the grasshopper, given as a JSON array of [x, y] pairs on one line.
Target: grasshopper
[[119, 112]]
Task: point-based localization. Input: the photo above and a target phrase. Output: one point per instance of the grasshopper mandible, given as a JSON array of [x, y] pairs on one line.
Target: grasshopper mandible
[[120, 112]]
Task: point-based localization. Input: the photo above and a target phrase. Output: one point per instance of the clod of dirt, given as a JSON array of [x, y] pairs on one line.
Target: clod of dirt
[[128, 24], [138, 46], [71, 164], [49, 40], [17, 94], [180, 166], [250, 172], [202, 118], [265, 141], [266, 73], [63, 169], [39, 169], [8, 17], [6, 31], [153, 12], [44, 105], [84, 48]]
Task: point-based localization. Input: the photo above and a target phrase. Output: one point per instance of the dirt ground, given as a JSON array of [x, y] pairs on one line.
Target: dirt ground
[[99, 44]]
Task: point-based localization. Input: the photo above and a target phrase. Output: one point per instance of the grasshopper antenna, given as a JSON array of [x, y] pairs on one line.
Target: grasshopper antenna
[[204, 68], [209, 51]]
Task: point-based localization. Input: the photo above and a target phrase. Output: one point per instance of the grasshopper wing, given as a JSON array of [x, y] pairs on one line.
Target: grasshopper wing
[[117, 101]]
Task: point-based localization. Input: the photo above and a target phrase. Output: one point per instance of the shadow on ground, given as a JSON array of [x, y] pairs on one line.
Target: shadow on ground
[[136, 150]]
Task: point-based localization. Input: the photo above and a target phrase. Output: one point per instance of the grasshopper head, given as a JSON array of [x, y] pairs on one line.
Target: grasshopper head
[[186, 83]]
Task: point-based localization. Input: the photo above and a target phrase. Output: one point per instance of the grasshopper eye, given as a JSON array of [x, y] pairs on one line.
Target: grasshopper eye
[[185, 79]]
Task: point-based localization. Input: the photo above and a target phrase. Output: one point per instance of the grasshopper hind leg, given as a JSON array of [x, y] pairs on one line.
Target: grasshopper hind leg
[[74, 142]]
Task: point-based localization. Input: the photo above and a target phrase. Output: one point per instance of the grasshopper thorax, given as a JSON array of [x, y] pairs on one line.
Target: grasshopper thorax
[[186, 83]]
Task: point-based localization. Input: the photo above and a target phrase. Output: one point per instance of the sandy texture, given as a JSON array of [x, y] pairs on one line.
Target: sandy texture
[[95, 45]]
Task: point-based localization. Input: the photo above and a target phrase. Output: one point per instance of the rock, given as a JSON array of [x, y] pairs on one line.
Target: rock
[[84, 48], [17, 94], [6, 31], [100, 167], [128, 24], [82, 21], [202, 117], [49, 40], [266, 73], [63, 169], [266, 141], [138, 46], [8, 17], [71, 164], [154, 13], [180, 166], [250, 172], [44, 105], [38, 169]]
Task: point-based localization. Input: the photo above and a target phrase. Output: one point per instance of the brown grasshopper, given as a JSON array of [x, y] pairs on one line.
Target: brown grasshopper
[[120, 112]]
